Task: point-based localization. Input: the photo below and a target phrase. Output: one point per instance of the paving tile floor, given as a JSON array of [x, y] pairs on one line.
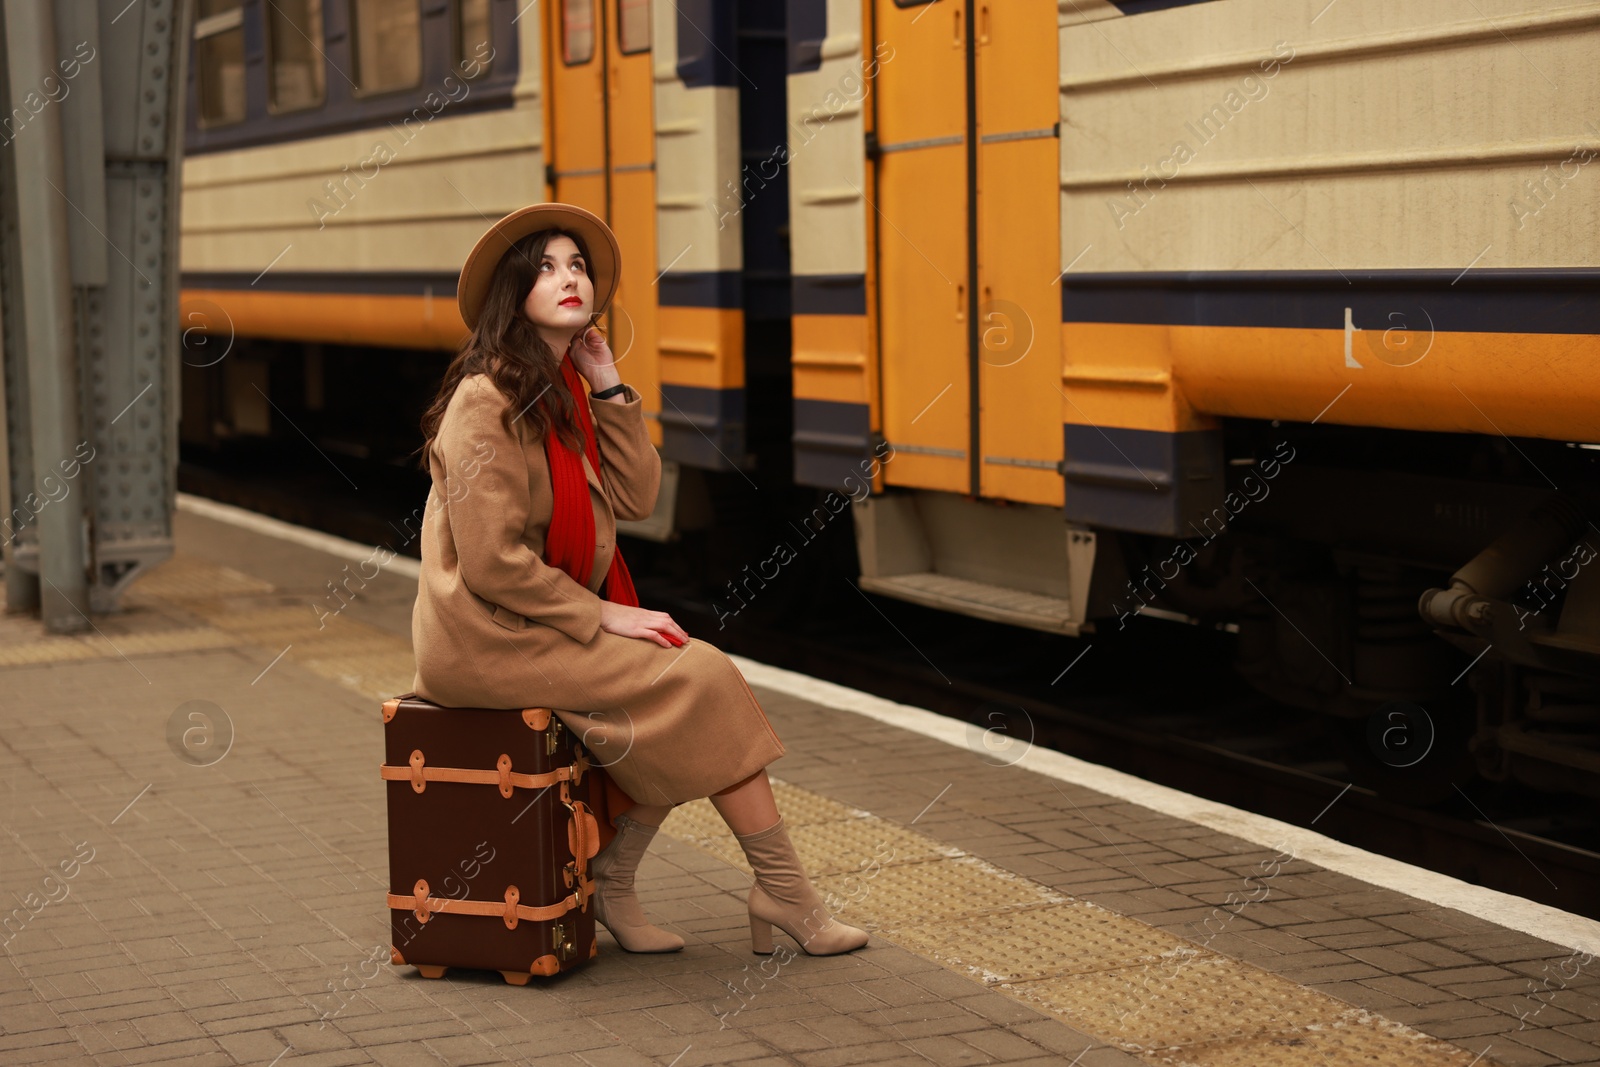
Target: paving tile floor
[[199, 855]]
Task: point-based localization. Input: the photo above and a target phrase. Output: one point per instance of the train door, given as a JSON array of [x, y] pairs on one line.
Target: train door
[[632, 207], [968, 241], [924, 285], [575, 107], [1018, 343], [602, 157]]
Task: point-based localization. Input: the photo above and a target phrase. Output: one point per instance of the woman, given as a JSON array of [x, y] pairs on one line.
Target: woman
[[524, 599]]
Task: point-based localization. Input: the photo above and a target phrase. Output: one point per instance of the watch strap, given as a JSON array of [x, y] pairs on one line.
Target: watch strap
[[613, 391]]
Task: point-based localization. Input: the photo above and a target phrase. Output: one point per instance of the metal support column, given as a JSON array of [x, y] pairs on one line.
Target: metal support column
[[45, 356]]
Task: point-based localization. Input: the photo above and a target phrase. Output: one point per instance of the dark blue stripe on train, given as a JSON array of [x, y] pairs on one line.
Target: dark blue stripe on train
[[831, 438], [808, 25], [702, 289], [381, 282], [703, 427], [1143, 481], [1533, 300], [707, 48], [1144, 7], [829, 294]]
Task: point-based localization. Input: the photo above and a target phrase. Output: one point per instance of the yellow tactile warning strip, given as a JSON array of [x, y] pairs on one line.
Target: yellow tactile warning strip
[[1128, 984], [233, 609], [64, 648], [246, 610], [138, 630], [1123, 982], [186, 578], [1028, 945]]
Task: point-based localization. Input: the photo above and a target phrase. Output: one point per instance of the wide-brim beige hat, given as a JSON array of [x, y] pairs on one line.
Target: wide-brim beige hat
[[605, 255]]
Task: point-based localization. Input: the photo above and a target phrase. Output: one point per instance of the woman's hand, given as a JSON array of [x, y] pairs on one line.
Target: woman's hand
[[626, 621], [592, 356]]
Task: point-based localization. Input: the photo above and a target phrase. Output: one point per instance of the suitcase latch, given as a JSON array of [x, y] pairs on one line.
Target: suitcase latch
[[560, 943], [552, 737]]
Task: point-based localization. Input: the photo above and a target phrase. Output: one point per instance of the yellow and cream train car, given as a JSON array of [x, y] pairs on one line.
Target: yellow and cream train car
[[1274, 316]]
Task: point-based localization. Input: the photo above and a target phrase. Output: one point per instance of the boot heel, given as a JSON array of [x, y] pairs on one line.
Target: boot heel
[[784, 897], [760, 936]]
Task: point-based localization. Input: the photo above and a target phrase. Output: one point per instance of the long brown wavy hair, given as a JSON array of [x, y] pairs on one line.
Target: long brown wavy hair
[[507, 347]]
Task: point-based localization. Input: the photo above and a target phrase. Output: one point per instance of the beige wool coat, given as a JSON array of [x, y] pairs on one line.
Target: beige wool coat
[[494, 626]]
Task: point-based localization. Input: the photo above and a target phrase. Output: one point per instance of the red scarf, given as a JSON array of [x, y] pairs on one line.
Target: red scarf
[[569, 544], [570, 541]]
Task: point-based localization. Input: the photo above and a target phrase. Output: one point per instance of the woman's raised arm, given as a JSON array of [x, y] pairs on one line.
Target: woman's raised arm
[[632, 473]]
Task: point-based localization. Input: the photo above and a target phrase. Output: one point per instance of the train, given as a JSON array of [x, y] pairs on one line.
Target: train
[[1272, 318]]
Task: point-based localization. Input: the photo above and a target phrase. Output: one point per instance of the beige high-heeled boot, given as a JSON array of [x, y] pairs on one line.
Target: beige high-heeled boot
[[784, 897], [614, 902]]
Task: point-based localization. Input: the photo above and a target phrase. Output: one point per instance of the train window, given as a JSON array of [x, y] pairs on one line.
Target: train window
[[219, 59], [388, 44], [294, 54], [633, 26], [472, 37], [577, 31]]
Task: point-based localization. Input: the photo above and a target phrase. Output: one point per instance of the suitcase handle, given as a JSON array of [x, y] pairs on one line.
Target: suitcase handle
[[583, 837]]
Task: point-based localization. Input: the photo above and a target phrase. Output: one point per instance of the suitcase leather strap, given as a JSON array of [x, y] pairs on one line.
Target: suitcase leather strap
[[509, 910], [419, 774]]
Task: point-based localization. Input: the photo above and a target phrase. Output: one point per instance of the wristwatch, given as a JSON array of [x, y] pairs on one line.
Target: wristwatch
[[604, 393]]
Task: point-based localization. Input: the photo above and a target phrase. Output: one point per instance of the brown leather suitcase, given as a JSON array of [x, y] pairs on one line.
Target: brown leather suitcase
[[491, 830]]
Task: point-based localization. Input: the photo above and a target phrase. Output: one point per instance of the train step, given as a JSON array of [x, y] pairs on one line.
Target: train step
[[979, 599]]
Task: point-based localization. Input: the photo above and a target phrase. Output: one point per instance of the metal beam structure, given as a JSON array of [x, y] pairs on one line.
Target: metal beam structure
[[90, 166]]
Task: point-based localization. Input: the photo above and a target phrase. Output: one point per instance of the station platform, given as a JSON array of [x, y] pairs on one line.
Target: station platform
[[198, 867]]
